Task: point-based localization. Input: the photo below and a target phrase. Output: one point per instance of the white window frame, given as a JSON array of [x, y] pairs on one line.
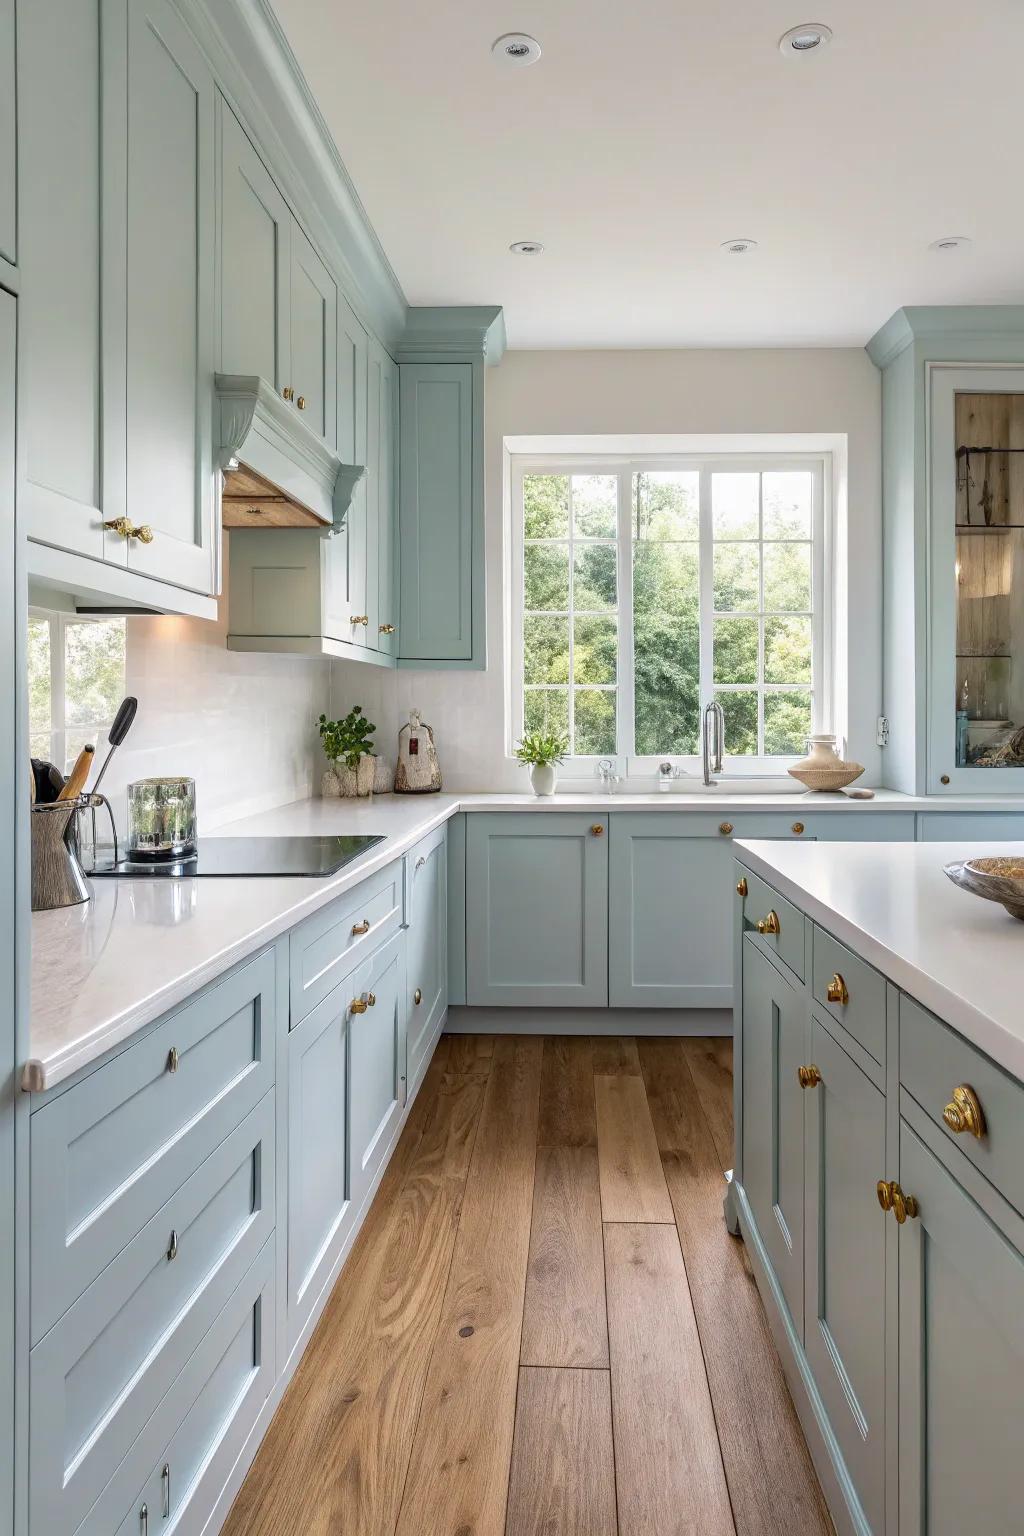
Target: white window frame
[[59, 622], [626, 764]]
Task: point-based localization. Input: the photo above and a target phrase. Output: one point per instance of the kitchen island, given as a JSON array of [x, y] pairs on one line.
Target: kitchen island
[[879, 1172]]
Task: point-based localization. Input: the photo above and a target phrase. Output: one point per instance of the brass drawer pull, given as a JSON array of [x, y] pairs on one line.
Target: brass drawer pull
[[892, 1198], [884, 1189], [417, 997], [769, 924], [360, 618], [741, 886], [129, 530], [371, 1000], [597, 829], [363, 927], [964, 1113], [837, 991], [386, 629], [357, 1005], [725, 828], [301, 402], [172, 1246], [288, 392], [173, 1059], [808, 1077]]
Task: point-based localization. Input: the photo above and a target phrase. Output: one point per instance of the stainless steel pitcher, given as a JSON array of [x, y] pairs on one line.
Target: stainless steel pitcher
[[57, 878]]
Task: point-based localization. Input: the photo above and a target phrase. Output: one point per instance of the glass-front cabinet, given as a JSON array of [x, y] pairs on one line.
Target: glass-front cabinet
[[976, 607]]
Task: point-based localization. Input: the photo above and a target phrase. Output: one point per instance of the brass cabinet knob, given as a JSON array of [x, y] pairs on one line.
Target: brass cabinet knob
[[964, 1113], [143, 533], [172, 1059], [288, 392], [741, 886], [371, 1000], [360, 618], [301, 402], [769, 924], [357, 1005], [902, 1205], [837, 991], [798, 828], [417, 997], [129, 530], [386, 629], [808, 1077], [597, 829], [884, 1191], [944, 779], [725, 828], [172, 1246], [363, 927]]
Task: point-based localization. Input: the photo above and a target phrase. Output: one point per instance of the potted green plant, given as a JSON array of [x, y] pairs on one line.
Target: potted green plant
[[348, 748], [542, 752]]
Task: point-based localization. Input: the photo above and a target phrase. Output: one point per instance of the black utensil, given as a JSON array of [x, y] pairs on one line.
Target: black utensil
[[118, 731], [49, 781]]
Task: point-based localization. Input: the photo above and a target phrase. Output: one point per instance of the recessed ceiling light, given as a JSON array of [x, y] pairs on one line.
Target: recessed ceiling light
[[740, 246], [950, 243], [526, 247], [516, 49], [809, 37]]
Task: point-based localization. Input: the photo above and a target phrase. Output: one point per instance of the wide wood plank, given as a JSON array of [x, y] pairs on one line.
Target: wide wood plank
[[632, 1182], [458, 1474], [470, 1053], [668, 1464], [709, 1059], [763, 1447], [564, 1320], [336, 1454], [568, 1117], [563, 1463], [615, 1056]]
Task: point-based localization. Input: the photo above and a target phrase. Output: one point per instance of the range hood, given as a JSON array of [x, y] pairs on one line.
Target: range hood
[[277, 473]]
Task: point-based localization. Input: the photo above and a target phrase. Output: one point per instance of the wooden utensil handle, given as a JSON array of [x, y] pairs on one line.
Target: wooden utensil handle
[[80, 772]]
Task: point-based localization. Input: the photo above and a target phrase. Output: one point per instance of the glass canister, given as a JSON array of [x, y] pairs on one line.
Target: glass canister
[[161, 818]]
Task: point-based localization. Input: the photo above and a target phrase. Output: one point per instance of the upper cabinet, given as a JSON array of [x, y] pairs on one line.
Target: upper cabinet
[[953, 495], [8, 156], [382, 504], [314, 363]]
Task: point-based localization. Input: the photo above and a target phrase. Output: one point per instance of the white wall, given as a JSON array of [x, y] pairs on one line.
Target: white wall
[[615, 393]]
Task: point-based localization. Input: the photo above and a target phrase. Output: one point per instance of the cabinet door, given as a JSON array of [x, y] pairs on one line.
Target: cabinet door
[[436, 520], [961, 1350], [537, 910], [255, 261], [320, 1211], [845, 1297], [774, 1046], [426, 947], [170, 292], [314, 350], [8, 734], [8, 130], [381, 484], [65, 493], [378, 1063], [345, 551]]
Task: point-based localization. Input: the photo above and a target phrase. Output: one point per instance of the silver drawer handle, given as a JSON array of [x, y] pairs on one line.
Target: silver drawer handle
[[144, 1519], [172, 1248], [166, 1476], [173, 1059]]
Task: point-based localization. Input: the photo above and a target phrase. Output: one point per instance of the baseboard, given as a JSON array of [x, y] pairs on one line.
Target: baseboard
[[840, 1495], [488, 1020]]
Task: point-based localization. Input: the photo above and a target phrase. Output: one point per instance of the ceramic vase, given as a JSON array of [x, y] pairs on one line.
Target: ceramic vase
[[350, 783], [543, 777]]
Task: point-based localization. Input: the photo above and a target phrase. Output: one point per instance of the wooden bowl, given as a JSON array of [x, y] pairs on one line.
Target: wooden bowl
[[999, 878], [827, 778]]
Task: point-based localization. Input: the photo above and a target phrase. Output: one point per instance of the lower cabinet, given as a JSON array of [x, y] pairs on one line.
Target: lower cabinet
[[961, 1357], [537, 909], [377, 1068], [426, 906]]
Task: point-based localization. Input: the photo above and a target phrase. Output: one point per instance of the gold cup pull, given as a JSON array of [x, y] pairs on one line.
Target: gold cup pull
[[725, 828], [884, 1191], [597, 829], [837, 991], [769, 924], [964, 1112], [808, 1077], [363, 927], [741, 886], [357, 1005]]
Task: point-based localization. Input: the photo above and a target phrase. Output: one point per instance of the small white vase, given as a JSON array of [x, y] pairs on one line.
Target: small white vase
[[330, 786], [543, 777]]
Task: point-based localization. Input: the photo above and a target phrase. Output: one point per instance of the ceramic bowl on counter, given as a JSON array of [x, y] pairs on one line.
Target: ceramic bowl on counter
[[998, 878]]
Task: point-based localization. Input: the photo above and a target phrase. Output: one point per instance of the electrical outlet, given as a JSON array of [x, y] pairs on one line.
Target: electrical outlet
[[882, 731]]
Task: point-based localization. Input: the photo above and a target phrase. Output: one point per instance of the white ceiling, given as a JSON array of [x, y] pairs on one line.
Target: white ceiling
[[649, 133]]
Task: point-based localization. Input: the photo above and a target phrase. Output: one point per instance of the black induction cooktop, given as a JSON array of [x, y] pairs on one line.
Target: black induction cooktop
[[249, 857]]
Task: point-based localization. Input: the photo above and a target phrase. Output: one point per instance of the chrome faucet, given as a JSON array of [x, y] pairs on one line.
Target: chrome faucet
[[714, 715]]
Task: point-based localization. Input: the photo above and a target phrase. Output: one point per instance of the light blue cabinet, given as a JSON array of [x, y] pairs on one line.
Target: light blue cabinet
[[426, 908], [314, 337], [377, 1063], [8, 921], [970, 826], [845, 1261], [382, 501], [537, 909], [254, 262], [437, 524], [8, 137]]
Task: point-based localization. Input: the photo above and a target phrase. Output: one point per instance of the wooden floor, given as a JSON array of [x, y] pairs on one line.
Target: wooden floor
[[544, 1328]]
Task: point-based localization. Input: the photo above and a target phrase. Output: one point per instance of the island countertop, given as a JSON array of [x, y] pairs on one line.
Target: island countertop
[[958, 956]]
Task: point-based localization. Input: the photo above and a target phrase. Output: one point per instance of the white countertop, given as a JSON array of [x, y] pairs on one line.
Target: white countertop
[[103, 969], [959, 956]]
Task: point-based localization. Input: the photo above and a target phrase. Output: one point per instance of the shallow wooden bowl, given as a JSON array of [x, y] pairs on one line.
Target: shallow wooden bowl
[[827, 778], [998, 878]]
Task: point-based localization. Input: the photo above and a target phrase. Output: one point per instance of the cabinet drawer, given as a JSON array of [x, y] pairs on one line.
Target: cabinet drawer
[[105, 1367], [186, 1450], [107, 1153], [858, 992], [326, 947], [787, 944], [934, 1062]]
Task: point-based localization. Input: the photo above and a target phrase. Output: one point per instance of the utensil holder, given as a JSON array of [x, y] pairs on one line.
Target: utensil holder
[[57, 877]]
